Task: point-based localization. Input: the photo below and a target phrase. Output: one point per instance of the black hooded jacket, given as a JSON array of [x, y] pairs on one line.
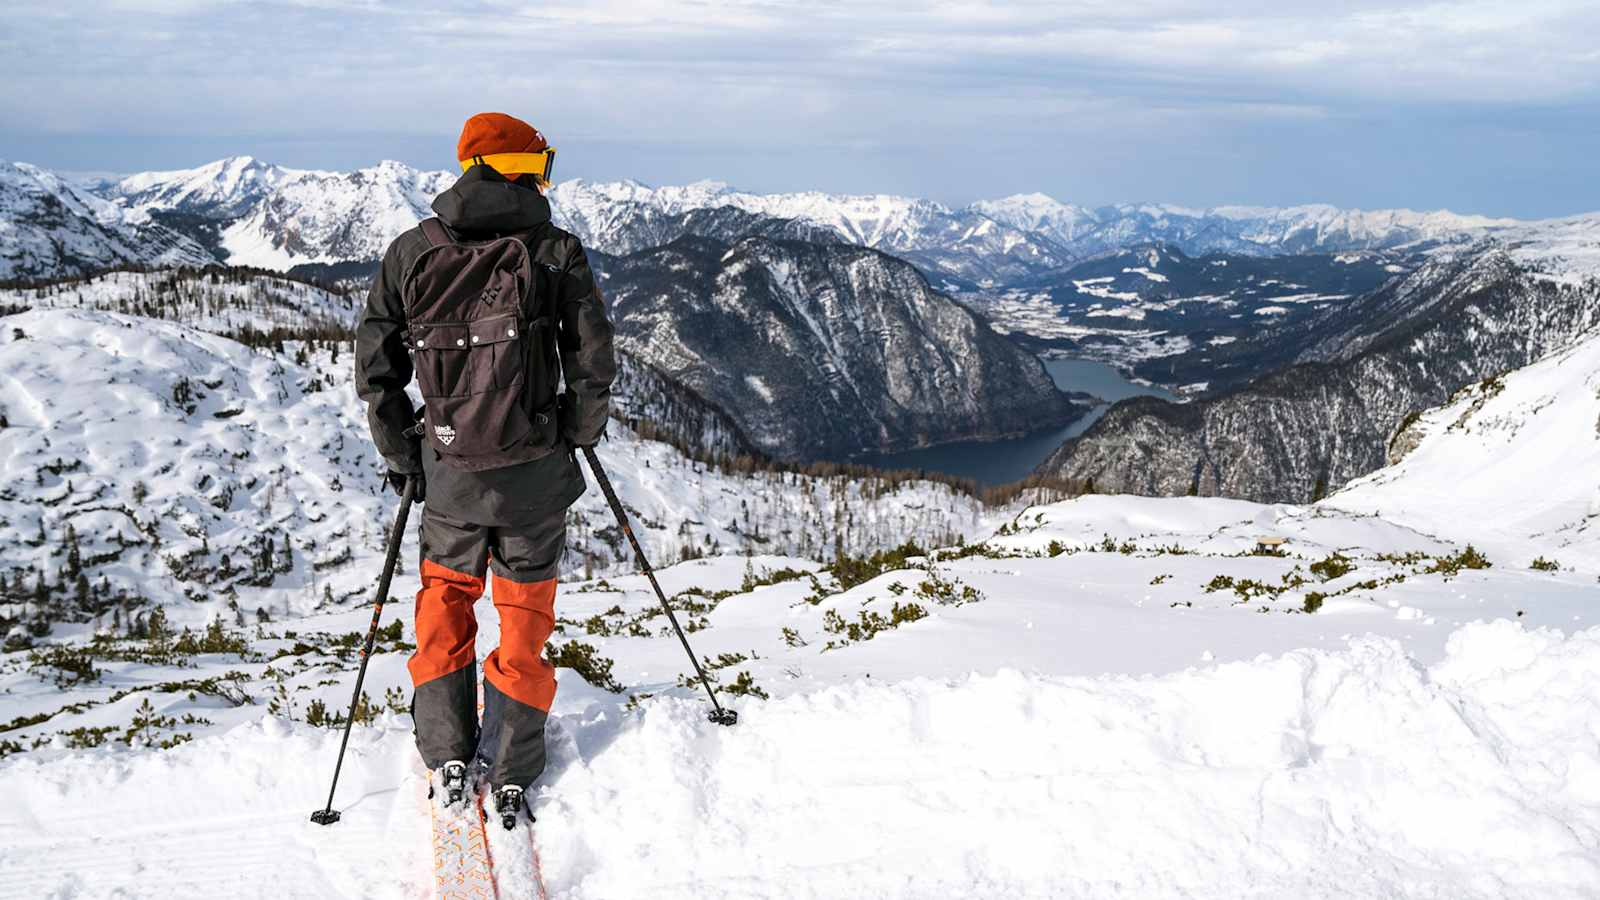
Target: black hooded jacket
[[483, 204]]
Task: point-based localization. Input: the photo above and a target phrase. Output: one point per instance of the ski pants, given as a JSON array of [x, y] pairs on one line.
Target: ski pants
[[519, 684]]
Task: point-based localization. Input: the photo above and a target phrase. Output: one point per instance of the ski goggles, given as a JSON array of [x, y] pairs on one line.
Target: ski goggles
[[540, 165]]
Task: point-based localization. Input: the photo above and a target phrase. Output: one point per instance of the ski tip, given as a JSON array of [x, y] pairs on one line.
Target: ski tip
[[723, 717], [325, 816]]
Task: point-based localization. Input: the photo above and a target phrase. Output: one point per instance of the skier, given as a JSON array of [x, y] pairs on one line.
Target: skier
[[490, 305]]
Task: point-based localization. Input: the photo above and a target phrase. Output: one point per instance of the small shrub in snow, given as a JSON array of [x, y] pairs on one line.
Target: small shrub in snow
[[1336, 565], [947, 591], [745, 686], [1545, 565], [583, 659], [1313, 602], [82, 738], [70, 665], [792, 638], [723, 661], [1469, 558], [850, 571], [868, 623], [1246, 588], [753, 580]]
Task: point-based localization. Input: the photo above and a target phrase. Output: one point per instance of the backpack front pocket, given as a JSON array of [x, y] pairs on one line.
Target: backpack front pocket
[[471, 378]]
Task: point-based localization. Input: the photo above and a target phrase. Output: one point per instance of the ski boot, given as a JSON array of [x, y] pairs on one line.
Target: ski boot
[[453, 780], [507, 802]]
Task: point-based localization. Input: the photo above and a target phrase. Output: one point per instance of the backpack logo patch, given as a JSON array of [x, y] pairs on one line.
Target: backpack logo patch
[[444, 433]]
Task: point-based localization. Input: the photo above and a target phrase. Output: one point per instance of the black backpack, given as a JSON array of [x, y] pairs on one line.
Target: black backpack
[[483, 348]]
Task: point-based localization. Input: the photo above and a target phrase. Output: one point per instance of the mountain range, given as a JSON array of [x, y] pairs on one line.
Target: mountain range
[[807, 325], [242, 211]]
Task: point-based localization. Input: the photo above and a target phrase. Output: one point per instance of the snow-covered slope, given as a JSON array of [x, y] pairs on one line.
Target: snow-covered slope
[[1107, 695], [1341, 773], [1103, 671], [159, 462], [1511, 462], [50, 228]]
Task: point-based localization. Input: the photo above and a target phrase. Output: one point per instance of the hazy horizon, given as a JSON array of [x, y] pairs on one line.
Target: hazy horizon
[[1476, 107]]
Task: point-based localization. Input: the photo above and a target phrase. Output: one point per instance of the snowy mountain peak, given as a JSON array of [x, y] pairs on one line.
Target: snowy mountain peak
[[223, 187]]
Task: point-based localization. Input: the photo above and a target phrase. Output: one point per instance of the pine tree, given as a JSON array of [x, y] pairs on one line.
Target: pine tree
[[74, 554]]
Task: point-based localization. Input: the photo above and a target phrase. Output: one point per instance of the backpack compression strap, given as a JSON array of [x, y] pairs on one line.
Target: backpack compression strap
[[433, 230]]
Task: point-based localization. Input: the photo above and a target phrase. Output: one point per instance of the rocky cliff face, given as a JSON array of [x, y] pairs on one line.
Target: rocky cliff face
[[821, 349], [1307, 429]]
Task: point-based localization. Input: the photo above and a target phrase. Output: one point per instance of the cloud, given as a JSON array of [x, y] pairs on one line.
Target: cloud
[[765, 75]]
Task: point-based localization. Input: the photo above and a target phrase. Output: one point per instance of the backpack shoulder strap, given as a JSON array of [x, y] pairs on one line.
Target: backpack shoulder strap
[[433, 230]]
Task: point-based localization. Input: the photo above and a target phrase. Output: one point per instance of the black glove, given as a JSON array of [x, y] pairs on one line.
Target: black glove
[[565, 417], [397, 483]]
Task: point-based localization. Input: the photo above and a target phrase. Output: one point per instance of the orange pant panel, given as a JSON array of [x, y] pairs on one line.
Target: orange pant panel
[[446, 627], [527, 617]]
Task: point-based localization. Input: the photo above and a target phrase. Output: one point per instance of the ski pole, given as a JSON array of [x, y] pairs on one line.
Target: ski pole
[[718, 714], [327, 815]]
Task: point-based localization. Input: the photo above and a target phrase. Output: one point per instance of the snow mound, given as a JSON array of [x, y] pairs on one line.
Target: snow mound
[[1343, 773]]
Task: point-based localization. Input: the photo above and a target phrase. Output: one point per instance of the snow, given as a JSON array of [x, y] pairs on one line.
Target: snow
[[1317, 773], [1148, 274], [759, 386], [1508, 464]]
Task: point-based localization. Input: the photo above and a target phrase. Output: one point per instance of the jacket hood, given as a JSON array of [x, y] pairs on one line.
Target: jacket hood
[[482, 200]]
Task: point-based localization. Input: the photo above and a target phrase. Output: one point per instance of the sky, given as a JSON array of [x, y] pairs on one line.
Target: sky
[[1483, 107]]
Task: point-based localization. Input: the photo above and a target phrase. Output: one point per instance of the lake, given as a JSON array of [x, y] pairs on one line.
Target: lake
[[1000, 462]]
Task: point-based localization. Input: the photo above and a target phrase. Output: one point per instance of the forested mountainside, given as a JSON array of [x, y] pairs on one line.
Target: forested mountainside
[[245, 304], [658, 407], [1299, 432], [816, 349]]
